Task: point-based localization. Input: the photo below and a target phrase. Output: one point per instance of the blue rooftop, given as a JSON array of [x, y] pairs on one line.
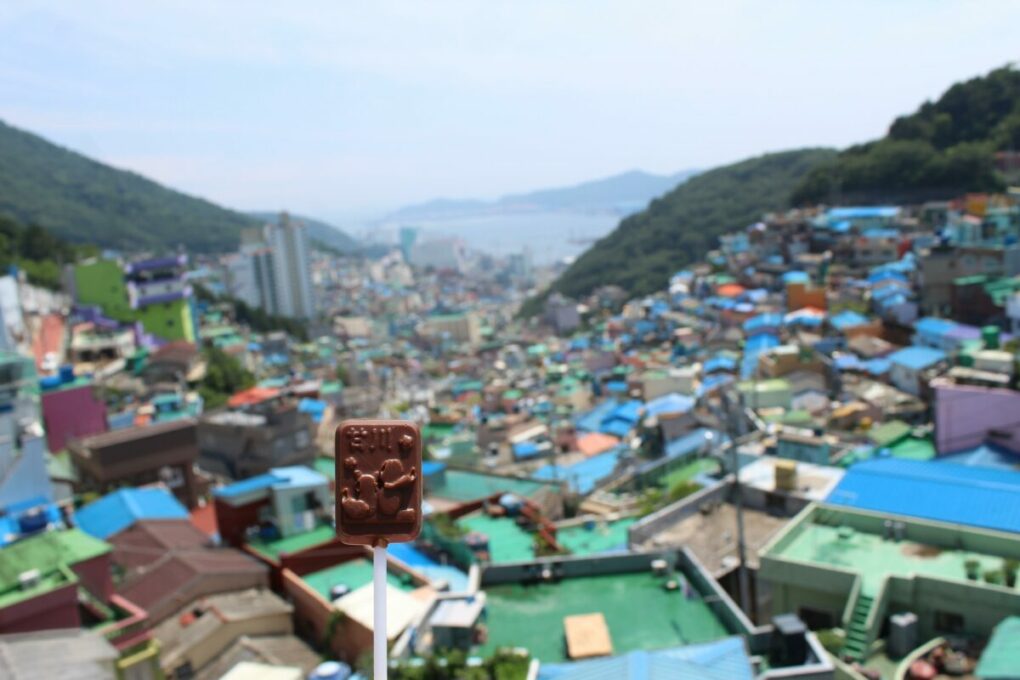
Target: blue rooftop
[[592, 420], [939, 491], [313, 407], [862, 212], [724, 659], [917, 358], [583, 475], [720, 362], [930, 325], [762, 322], [691, 442], [847, 319], [525, 450], [263, 481], [669, 403], [795, 276], [117, 511]]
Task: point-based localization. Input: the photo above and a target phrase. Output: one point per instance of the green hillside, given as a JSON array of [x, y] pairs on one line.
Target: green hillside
[[678, 228], [83, 201], [36, 251], [944, 149]]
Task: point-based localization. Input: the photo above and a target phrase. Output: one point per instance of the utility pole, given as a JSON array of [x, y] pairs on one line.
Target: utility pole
[[734, 426]]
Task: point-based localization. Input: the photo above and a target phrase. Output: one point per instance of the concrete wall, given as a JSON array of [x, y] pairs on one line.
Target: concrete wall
[[662, 519], [317, 619], [568, 567], [205, 649]]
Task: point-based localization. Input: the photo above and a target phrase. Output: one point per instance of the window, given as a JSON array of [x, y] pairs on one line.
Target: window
[[948, 622], [297, 504]]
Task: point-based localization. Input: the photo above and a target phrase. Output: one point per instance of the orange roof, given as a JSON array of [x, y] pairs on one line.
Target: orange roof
[[730, 290], [596, 443], [48, 338], [204, 519], [253, 395]]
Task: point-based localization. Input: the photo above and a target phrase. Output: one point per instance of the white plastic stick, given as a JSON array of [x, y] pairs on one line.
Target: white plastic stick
[[379, 610]]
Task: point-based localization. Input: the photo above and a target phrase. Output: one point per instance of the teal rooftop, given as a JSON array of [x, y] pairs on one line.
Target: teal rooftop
[[639, 613]]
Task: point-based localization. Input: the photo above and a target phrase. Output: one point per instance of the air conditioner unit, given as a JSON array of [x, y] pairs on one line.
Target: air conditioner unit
[[29, 579]]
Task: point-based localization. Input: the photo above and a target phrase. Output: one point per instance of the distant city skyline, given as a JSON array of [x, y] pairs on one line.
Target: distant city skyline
[[338, 111]]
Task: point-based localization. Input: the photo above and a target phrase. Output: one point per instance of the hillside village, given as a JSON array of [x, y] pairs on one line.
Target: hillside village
[[798, 458]]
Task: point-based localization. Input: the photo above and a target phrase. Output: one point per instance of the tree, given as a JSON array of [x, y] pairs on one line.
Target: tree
[[224, 376]]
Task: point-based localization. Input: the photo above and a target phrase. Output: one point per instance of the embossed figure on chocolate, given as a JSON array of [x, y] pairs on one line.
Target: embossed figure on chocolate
[[385, 492]]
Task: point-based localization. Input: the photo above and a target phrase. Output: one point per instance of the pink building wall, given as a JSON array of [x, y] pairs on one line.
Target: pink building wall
[[966, 417], [71, 413]]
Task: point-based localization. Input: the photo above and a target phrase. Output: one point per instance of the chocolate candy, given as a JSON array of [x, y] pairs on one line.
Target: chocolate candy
[[378, 481]]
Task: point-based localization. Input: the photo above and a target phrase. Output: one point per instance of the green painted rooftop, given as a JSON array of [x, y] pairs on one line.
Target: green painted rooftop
[[273, 549], [640, 614], [467, 485], [507, 541], [875, 558], [604, 536], [353, 574], [47, 552], [889, 433], [326, 465], [689, 471]]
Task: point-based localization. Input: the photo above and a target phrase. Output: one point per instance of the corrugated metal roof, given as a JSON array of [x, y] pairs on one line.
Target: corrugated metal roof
[[944, 492], [118, 510]]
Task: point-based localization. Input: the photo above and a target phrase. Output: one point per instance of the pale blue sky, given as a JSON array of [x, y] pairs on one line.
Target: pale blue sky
[[335, 109]]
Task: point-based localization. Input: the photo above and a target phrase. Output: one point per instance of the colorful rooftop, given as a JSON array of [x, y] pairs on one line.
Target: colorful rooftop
[[52, 553], [274, 548], [944, 492], [639, 612], [847, 540], [117, 511], [467, 485], [354, 574]]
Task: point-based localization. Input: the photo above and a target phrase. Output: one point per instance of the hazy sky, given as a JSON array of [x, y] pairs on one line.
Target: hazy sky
[[334, 109]]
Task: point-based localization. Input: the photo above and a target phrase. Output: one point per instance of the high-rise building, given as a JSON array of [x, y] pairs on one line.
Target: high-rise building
[[273, 271], [291, 269]]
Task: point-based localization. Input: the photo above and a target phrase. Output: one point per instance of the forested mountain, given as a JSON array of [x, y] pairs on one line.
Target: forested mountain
[[678, 228], [84, 201], [944, 149]]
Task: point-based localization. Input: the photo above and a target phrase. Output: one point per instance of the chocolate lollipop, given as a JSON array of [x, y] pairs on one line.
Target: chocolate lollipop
[[378, 482]]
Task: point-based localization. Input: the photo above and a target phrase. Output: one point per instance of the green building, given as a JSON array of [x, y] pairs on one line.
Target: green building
[[151, 292], [853, 569]]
